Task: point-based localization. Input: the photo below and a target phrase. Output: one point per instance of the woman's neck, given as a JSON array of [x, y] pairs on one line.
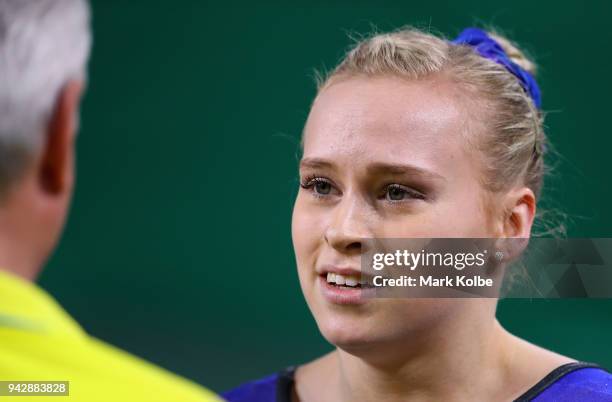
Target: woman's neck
[[455, 363], [438, 368], [461, 359], [452, 362]]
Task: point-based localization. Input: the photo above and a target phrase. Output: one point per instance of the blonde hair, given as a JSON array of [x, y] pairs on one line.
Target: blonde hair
[[514, 143]]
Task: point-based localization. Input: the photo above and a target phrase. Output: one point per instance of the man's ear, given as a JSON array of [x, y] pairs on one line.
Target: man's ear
[[520, 213], [56, 164]]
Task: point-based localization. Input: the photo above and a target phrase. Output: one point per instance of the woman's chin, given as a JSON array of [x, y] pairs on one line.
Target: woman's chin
[[378, 324], [349, 334]]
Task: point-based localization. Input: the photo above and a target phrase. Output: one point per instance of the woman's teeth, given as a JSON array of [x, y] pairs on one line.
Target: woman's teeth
[[343, 280]]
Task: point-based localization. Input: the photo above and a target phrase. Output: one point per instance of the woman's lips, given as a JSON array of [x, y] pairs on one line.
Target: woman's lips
[[341, 294]]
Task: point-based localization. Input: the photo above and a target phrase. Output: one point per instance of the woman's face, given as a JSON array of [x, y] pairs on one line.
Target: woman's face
[[383, 158]]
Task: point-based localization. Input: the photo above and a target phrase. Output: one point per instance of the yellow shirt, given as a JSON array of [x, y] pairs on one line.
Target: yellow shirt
[[39, 341]]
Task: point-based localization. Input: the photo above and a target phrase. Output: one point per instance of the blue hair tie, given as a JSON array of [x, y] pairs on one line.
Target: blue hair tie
[[489, 48]]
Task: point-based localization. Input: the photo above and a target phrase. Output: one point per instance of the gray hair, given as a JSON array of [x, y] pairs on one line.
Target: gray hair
[[43, 45]]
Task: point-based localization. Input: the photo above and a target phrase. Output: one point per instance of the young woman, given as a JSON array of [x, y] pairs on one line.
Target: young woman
[[413, 136]]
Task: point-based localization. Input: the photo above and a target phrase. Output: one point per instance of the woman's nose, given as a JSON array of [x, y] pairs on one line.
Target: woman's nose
[[347, 227]]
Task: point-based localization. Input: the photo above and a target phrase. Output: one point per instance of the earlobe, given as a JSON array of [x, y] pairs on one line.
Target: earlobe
[[56, 167]]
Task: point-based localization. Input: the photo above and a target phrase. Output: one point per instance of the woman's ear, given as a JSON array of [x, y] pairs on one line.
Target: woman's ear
[[520, 208]]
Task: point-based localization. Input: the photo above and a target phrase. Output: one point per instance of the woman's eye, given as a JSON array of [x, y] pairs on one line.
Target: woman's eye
[[322, 187], [396, 192], [319, 186]]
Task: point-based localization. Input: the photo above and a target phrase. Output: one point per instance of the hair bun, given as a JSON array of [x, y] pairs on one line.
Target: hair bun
[[514, 53]]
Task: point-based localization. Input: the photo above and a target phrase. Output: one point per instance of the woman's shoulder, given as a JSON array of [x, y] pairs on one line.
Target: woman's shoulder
[[273, 388], [575, 381]]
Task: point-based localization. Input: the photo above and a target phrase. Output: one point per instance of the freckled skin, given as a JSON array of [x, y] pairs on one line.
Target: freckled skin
[[358, 122], [408, 345]]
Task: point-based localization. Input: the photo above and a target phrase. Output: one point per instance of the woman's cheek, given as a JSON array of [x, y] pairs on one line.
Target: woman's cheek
[[307, 232], [408, 225]]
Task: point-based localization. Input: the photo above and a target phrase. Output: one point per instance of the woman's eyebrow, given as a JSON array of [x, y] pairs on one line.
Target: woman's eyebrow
[[400, 169], [314, 163], [378, 168]]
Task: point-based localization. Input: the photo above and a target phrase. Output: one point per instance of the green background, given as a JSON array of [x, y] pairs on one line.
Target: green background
[[178, 247]]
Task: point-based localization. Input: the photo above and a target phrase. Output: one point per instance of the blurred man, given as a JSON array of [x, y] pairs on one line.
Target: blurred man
[[44, 47]]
